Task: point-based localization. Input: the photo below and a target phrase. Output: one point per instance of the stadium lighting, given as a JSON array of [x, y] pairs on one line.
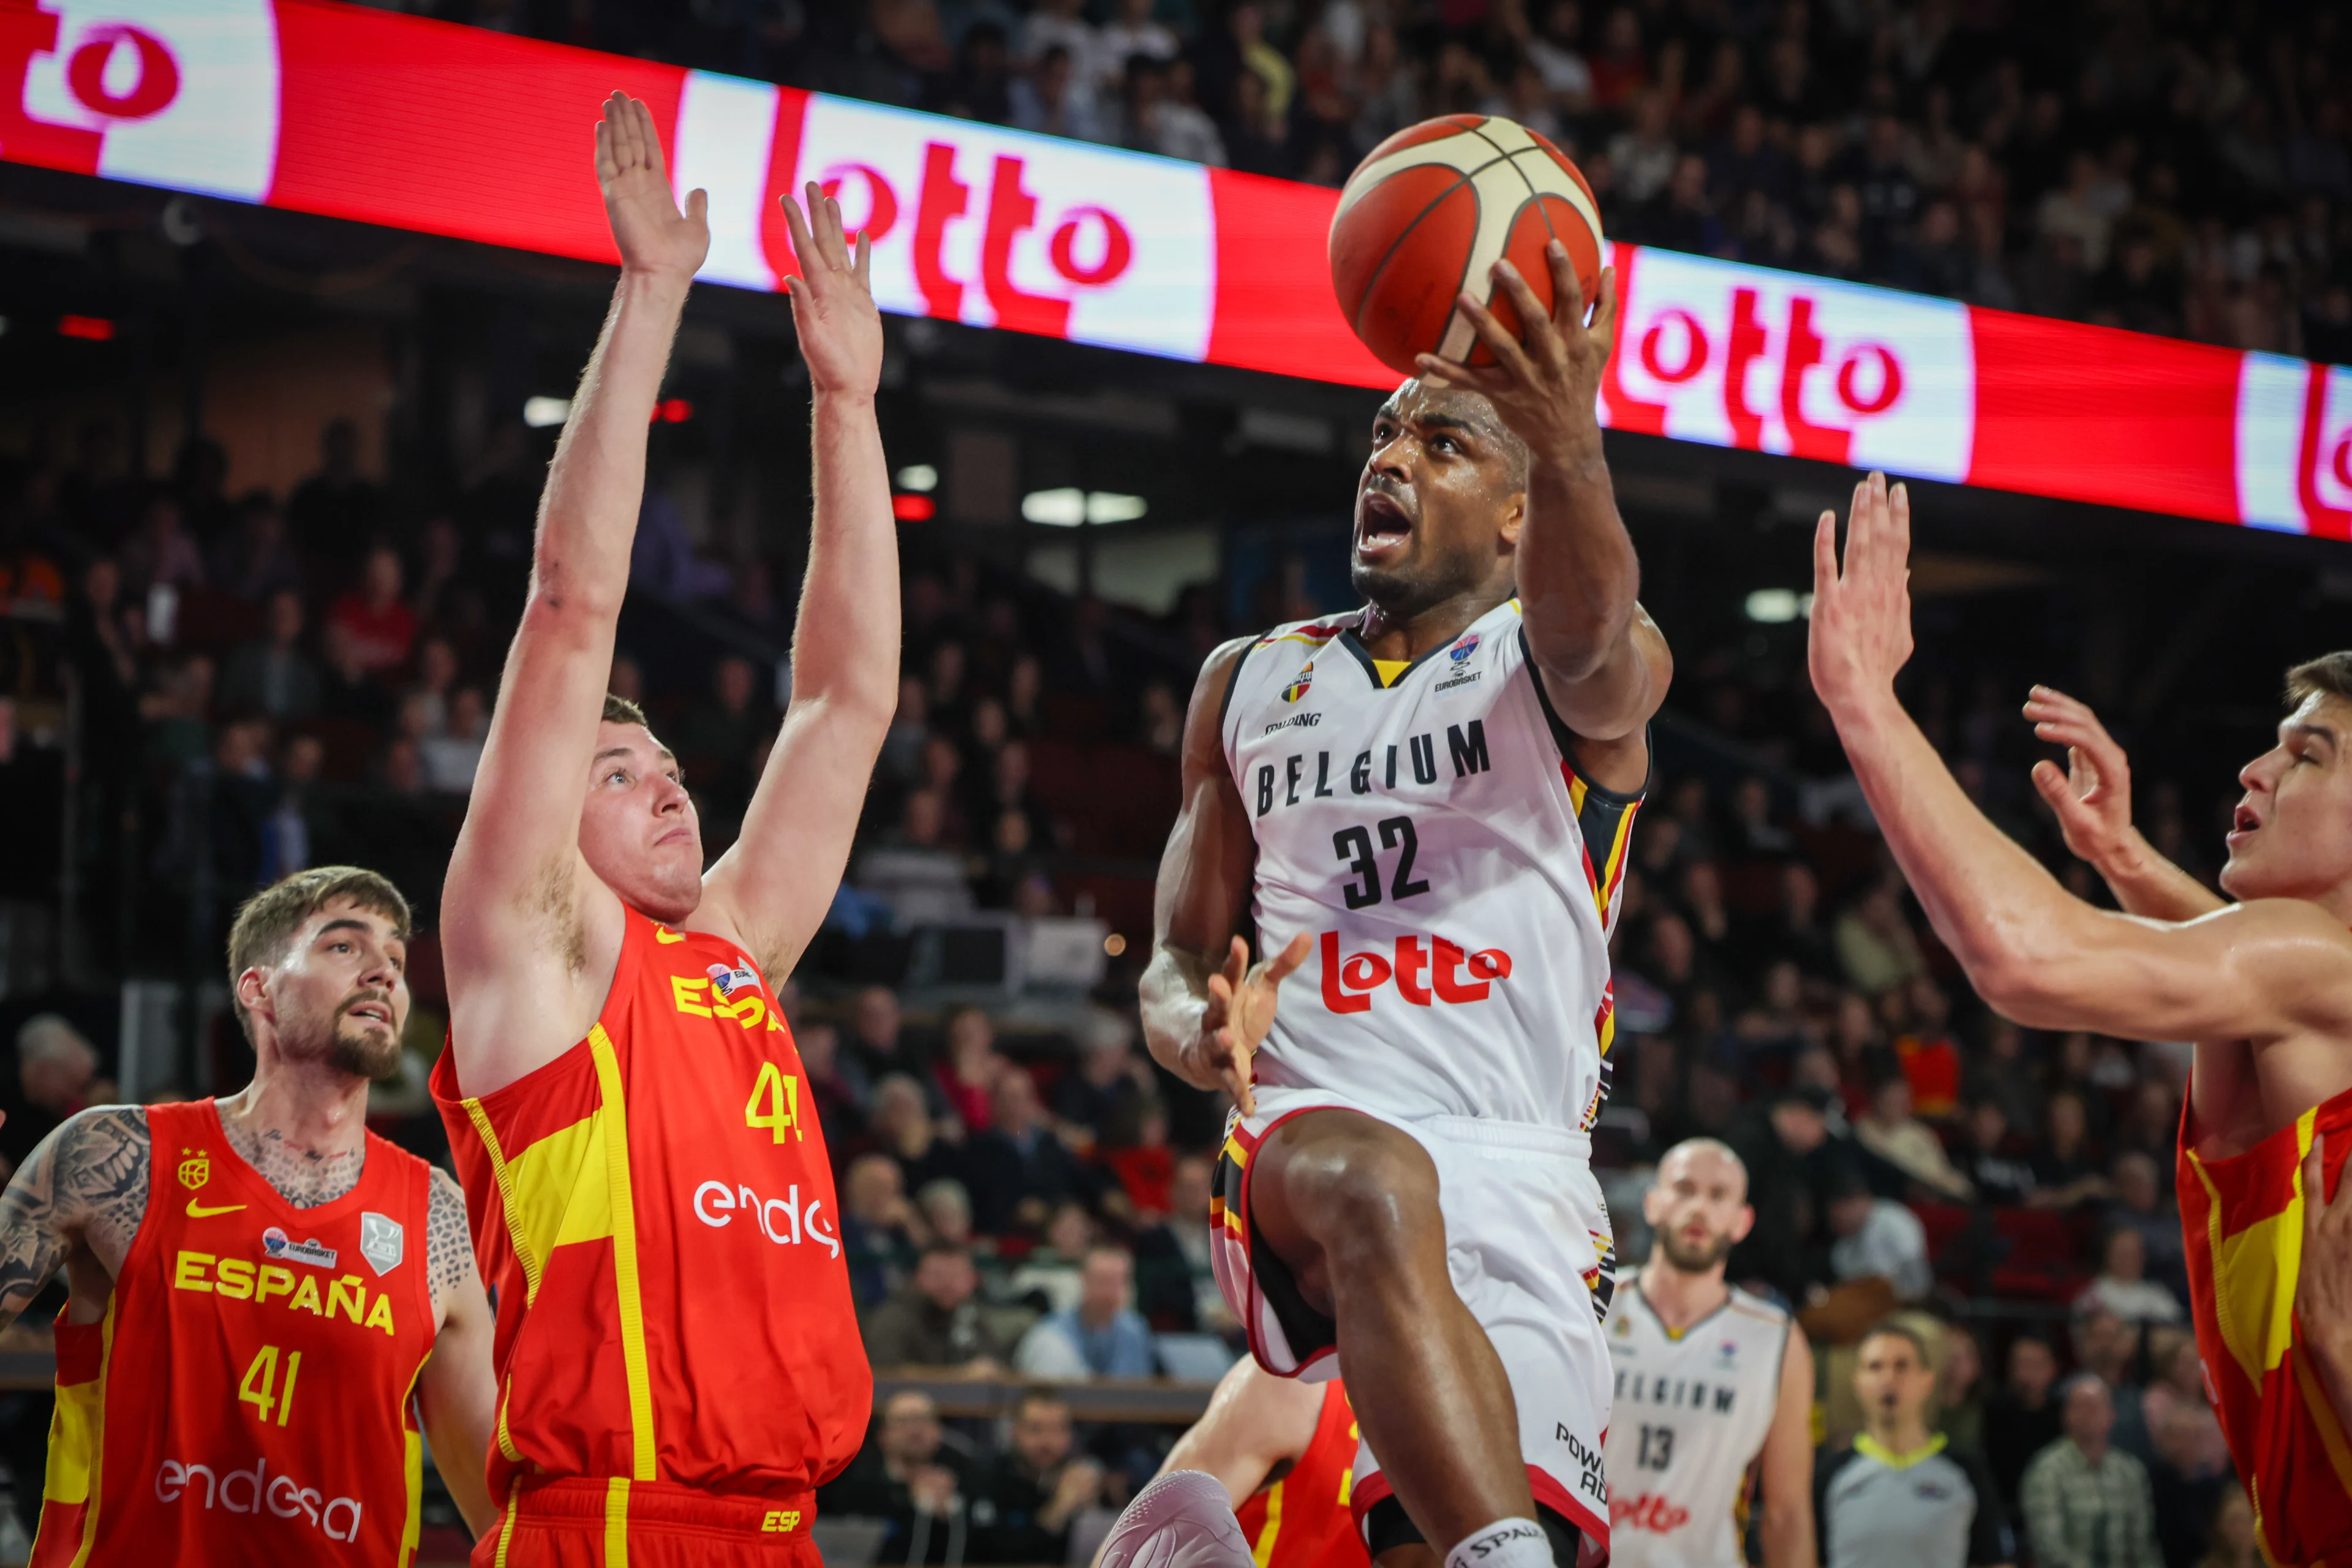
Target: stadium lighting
[[540, 413], [1104, 507], [920, 477], [913, 507], [1772, 607], [1055, 509]]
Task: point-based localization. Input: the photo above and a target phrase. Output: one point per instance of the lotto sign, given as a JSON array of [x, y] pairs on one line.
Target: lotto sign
[[386, 119]]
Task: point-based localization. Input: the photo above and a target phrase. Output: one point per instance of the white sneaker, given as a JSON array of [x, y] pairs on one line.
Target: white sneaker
[[1182, 1519]]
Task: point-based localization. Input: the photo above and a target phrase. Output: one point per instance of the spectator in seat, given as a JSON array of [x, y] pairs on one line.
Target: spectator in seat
[[1110, 1074], [2232, 1533], [1930, 1060], [1023, 1499], [935, 1319], [879, 1229], [1960, 1389], [1875, 943], [946, 1210], [1102, 1336], [904, 1124], [1792, 1164], [252, 560], [1055, 99], [879, 1039], [2088, 1503], [2022, 1418], [452, 757], [1055, 1269], [1998, 1175], [2177, 1385], [272, 675], [1019, 1169], [335, 512], [2123, 1286], [1903, 1148], [371, 630], [1795, 932], [968, 1070], [57, 1072], [160, 550], [2140, 1204], [836, 1081], [907, 1476], [2064, 1173], [2108, 1345], [1878, 1236]]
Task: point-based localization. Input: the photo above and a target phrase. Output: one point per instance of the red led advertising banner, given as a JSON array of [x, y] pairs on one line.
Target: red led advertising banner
[[422, 125]]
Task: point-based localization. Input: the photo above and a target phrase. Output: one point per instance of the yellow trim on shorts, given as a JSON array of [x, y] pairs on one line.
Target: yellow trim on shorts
[[506, 1525], [634, 1363], [616, 1522]]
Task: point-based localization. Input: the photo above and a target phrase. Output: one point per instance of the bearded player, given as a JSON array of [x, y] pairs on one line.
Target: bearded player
[[679, 1362], [1714, 1390], [1427, 800], [263, 1296], [1284, 1451], [2264, 986]]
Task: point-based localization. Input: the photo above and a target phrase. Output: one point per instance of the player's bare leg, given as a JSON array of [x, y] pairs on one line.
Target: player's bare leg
[[1350, 1204]]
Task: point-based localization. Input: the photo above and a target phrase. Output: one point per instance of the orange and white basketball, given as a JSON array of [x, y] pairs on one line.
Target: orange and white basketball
[[1426, 213]]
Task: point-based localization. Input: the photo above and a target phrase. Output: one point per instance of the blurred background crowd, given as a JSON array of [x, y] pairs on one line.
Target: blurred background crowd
[[2172, 166]]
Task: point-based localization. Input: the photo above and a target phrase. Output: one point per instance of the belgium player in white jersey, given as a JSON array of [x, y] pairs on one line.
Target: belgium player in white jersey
[[1715, 1388], [1425, 801]]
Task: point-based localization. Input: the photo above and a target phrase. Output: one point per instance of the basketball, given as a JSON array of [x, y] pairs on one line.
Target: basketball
[[1426, 213]]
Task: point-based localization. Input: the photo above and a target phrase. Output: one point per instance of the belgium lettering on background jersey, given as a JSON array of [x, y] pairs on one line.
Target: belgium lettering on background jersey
[[1466, 749]]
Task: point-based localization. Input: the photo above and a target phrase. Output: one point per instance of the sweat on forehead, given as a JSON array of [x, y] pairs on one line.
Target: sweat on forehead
[[1414, 400]]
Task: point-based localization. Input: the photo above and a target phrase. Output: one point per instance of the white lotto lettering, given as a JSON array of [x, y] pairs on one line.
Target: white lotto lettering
[[1437, 971], [2294, 446], [785, 1220], [254, 1490]]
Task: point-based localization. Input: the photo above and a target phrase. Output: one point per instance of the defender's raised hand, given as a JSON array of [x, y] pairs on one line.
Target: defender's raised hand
[[654, 236], [2091, 796], [1862, 617], [1546, 383], [1239, 1013], [832, 303]]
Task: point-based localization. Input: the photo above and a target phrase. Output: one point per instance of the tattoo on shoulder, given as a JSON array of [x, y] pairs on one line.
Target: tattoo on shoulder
[[449, 1245], [86, 1183]]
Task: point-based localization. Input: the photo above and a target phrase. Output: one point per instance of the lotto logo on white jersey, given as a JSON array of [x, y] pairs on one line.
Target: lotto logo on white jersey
[[1437, 971]]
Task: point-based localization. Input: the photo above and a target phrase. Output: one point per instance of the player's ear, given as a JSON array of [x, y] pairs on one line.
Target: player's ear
[[1744, 1223], [1515, 517], [252, 993]]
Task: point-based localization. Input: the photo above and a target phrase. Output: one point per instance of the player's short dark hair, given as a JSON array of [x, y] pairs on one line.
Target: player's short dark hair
[[266, 923], [1897, 1329], [620, 711], [2328, 675]]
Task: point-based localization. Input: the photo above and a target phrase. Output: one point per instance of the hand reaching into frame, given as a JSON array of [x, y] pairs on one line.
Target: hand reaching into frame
[[833, 302], [1861, 631], [654, 236], [1240, 1012], [1546, 383]]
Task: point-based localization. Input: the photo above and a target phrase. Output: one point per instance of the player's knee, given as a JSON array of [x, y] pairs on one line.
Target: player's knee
[[1373, 1201]]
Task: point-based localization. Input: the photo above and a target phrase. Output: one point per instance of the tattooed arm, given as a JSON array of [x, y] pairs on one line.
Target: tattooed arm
[[458, 1394], [82, 1192]]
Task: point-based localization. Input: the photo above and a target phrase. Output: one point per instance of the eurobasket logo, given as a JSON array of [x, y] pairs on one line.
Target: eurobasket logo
[[179, 93]]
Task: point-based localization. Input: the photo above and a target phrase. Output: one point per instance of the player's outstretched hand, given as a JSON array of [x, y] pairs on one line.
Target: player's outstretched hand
[[2091, 796], [1545, 384], [2322, 1286], [1861, 617], [1240, 1011], [653, 235], [832, 303]]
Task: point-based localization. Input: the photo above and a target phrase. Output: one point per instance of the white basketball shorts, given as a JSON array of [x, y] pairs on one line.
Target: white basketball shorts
[[1527, 1245]]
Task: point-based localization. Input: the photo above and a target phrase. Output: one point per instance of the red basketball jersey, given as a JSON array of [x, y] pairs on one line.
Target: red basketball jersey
[[246, 1396], [1304, 1520], [654, 1214], [2242, 1219]]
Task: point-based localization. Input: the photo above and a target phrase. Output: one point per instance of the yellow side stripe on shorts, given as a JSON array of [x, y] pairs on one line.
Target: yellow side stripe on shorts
[[616, 1522], [1235, 1152]]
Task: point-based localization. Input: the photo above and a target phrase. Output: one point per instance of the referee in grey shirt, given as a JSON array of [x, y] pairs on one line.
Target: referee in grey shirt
[[1898, 1495]]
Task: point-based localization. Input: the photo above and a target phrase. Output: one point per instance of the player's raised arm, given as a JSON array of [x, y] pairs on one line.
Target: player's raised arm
[[2036, 953], [1255, 1420], [1605, 666], [2091, 798], [1205, 1007], [84, 1186], [513, 907], [777, 881]]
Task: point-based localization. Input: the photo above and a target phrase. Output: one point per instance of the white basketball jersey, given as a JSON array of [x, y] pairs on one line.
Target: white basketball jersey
[[1690, 1418], [1430, 834]]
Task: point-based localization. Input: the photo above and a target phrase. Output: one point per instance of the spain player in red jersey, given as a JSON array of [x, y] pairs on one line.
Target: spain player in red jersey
[[2264, 986], [677, 1357], [1285, 1451], [263, 1295]]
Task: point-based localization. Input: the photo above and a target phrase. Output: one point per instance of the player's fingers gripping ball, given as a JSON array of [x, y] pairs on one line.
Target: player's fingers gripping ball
[[1430, 210]]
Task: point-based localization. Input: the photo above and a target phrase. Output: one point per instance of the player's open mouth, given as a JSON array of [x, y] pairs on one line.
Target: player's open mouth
[[2242, 822], [376, 1012], [1382, 525]]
